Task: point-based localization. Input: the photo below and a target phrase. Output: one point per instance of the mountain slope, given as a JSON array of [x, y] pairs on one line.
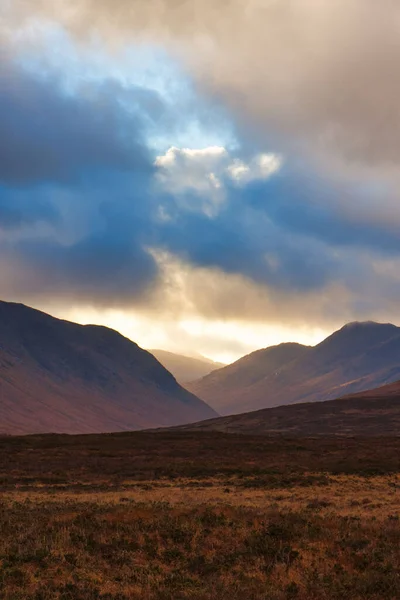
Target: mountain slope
[[357, 357], [62, 377], [185, 368], [224, 385], [374, 412]]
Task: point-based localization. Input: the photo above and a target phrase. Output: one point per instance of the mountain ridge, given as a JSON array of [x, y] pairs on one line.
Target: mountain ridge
[[356, 357], [58, 376]]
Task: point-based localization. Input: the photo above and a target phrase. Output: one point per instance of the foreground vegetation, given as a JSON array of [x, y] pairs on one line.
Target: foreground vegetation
[[203, 517]]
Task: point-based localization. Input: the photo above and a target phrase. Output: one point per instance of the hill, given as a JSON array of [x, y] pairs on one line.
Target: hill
[[372, 413], [57, 376], [358, 357], [185, 368]]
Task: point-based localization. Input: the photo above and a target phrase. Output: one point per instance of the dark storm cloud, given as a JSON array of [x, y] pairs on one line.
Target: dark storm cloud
[[47, 133], [244, 241], [74, 170], [290, 232], [277, 233], [102, 269], [18, 210], [95, 251], [336, 212]]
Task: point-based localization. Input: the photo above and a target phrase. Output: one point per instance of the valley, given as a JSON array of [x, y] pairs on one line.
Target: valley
[[298, 501]]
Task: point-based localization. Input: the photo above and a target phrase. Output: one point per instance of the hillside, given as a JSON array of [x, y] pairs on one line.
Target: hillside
[[185, 368], [375, 412], [358, 357], [57, 376], [222, 386]]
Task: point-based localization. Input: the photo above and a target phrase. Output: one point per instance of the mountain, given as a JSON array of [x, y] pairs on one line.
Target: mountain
[[185, 368], [374, 412], [57, 376], [224, 386], [357, 357]]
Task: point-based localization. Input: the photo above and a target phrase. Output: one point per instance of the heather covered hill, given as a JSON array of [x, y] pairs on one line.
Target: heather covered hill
[[185, 368], [57, 376], [371, 413], [358, 357]]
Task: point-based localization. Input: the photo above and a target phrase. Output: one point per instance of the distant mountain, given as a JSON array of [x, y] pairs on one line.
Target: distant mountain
[[371, 413], [57, 376], [185, 368], [357, 357], [224, 386]]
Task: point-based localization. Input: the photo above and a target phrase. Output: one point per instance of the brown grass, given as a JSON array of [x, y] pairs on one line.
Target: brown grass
[[259, 522]]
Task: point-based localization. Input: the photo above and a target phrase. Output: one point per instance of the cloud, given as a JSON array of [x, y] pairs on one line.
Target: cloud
[[270, 251], [205, 174], [188, 168], [276, 246], [47, 133], [99, 270], [18, 211], [100, 205], [225, 316], [320, 75]]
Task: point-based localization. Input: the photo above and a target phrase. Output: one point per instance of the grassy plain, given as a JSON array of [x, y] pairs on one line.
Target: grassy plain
[[205, 516]]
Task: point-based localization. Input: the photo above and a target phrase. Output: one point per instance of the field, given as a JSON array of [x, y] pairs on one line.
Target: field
[[202, 516]]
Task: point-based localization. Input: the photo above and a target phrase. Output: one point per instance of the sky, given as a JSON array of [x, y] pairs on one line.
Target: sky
[[208, 177]]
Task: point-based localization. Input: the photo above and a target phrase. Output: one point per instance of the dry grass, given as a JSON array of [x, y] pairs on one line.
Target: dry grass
[[256, 526], [352, 496]]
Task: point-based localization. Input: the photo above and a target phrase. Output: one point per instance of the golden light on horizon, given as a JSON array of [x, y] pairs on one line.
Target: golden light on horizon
[[221, 341]]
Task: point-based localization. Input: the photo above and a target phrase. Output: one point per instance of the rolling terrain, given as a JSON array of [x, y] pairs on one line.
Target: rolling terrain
[[370, 413], [358, 357], [185, 368], [57, 376]]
